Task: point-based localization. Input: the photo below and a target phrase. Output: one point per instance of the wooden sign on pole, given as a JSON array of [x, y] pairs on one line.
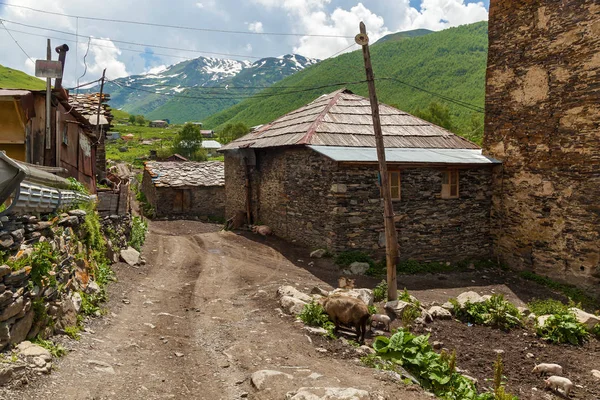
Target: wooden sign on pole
[[48, 69], [391, 237]]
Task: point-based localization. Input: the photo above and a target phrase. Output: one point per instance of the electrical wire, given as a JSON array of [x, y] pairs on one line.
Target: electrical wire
[[17, 43], [84, 62], [177, 26]]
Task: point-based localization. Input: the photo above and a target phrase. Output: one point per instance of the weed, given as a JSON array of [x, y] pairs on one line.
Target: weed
[[596, 331], [572, 292], [9, 360], [346, 258], [43, 258], [90, 303], [57, 350], [372, 310], [410, 315], [77, 186], [138, 233], [495, 312], [313, 314], [548, 306], [73, 332], [499, 390], [104, 274], [380, 291], [563, 328]]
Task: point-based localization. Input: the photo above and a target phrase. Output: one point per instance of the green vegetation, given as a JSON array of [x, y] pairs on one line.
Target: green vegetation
[[404, 35], [346, 258], [548, 306], [499, 389], [451, 62], [188, 143], [574, 293], [313, 314], [372, 310], [380, 291], [495, 312], [563, 328], [231, 132], [138, 233], [73, 332], [57, 350], [14, 79], [77, 186]]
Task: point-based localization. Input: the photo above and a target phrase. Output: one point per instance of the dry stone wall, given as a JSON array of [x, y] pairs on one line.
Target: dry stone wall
[[543, 121]]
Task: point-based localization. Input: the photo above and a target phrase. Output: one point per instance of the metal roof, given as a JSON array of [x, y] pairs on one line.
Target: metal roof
[[398, 155], [14, 92], [211, 144], [186, 173], [344, 119]]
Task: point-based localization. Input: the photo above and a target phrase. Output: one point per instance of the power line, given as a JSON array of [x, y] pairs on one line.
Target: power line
[[17, 43], [177, 26]]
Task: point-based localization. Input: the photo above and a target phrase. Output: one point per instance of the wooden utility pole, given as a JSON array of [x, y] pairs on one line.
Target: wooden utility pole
[[48, 101], [100, 158], [391, 237]]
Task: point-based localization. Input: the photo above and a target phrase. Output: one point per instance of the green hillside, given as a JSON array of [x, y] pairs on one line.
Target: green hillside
[[451, 62], [14, 79], [404, 35]]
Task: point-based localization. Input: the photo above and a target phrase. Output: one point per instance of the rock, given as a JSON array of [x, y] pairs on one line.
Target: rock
[[469, 377], [319, 291], [292, 305], [541, 320], [67, 314], [69, 221], [101, 366], [92, 288], [426, 316], [529, 355], [21, 328], [291, 291], [28, 350], [4, 270], [437, 345], [366, 295], [76, 299], [18, 235], [6, 374], [596, 373], [178, 354], [318, 253], [38, 362], [6, 296], [264, 378], [130, 255], [397, 307], [16, 278], [40, 226], [328, 393], [448, 306], [315, 330], [587, 319], [13, 309], [524, 311], [358, 268], [77, 213], [469, 297], [438, 312]]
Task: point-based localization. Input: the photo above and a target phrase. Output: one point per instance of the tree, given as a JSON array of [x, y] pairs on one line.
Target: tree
[[437, 114], [231, 132], [140, 120], [132, 119], [188, 141]]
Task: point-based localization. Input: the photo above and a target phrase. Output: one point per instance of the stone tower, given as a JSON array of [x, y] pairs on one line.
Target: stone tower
[[543, 121]]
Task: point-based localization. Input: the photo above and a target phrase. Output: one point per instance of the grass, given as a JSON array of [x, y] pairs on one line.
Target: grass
[[572, 292], [14, 79], [547, 307], [57, 350]]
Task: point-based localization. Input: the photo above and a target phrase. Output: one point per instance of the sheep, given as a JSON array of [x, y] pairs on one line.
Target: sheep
[[348, 311], [263, 230], [381, 319], [555, 382], [542, 369]]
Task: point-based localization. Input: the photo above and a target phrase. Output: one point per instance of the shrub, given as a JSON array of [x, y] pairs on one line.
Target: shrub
[[73, 332], [495, 312], [346, 258], [138, 233], [313, 314], [77, 186], [548, 306], [372, 310], [57, 350], [563, 328], [380, 291], [43, 260]]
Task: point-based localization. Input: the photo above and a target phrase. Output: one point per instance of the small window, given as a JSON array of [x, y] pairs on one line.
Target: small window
[[394, 178], [450, 184]]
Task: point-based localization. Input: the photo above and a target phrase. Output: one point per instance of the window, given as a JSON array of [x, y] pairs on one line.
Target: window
[[394, 179], [450, 184]]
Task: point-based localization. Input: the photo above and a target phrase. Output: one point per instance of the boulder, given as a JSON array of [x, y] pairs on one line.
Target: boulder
[[438, 312], [292, 305], [13, 309], [448, 306], [130, 255], [587, 319], [319, 253], [18, 235], [69, 221], [67, 314], [92, 288], [357, 268], [77, 213], [541, 320], [328, 393], [366, 295], [397, 307], [469, 297], [16, 278], [319, 291], [76, 299], [4, 270], [265, 378], [291, 291], [28, 350], [21, 328]]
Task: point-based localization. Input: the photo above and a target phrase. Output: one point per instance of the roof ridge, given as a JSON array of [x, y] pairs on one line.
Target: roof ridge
[[315, 124]]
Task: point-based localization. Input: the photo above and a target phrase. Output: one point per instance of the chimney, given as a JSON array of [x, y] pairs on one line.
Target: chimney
[[62, 55]]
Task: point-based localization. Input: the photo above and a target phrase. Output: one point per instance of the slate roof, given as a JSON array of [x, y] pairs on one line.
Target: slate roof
[[86, 104], [186, 174], [344, 119]]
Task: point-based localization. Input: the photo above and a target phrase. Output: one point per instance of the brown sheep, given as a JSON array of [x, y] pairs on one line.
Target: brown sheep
[[348, 311]]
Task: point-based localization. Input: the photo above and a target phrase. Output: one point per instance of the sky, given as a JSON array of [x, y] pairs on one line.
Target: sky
[[254, 19]]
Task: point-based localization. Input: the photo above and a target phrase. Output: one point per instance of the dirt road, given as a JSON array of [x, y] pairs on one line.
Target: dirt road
[[195, 322]]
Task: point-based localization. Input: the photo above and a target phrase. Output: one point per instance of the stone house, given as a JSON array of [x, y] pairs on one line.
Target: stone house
[[185, 188], [542, 120], [312, 176]]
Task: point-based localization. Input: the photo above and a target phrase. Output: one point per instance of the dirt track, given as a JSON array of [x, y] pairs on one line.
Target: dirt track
[[195, 322]]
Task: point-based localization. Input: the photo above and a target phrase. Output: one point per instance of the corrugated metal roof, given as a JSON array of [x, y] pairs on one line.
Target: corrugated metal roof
[[186, 173], [404, 155], [211, 144], [344, 119]]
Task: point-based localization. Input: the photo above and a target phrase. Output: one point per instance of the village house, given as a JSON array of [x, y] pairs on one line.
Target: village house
[[185, 188], [159, 123], [70, 146], [312, 176]]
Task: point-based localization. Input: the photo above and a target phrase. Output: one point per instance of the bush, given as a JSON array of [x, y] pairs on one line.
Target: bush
[[548, 306], [348, 257], [77, 186], [563, 328], [380, 291], [495, 312], [42, 261], [57, 350], [138, 233], [313, 314]]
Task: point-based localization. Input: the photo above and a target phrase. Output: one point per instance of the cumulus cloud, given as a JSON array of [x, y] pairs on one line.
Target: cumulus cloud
[[441, 14], [104, 54], [256, 26]]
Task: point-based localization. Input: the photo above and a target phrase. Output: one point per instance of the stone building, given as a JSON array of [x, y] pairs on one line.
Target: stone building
[[185, 188], [543, 121], [312, 176]]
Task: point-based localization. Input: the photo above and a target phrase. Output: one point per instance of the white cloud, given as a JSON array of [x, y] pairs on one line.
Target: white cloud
[[199, 5], [256, 26], [248, 48], [442, 14], [104, 57]]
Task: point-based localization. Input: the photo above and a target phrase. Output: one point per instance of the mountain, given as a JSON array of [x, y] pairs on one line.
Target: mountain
[[404, 35], [194, 89], [450, 62], [14, 79]]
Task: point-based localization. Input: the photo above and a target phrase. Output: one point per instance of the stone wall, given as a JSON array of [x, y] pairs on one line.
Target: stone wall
[[542, 120], [314, 201]]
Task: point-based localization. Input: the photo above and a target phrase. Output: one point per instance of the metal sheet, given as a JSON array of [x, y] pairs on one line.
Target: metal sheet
[[434, 156]]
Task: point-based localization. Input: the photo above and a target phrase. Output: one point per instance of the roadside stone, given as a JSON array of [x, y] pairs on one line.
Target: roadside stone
[[13, 309], [130, 255], [69, 221], [529, 355], [21, 328], [596, 374], [101, 366], [469, 297], [398, 307], [438, 312], [17, 277], [292, 305], [328, 393], [357, 268], [291, 291], [264, 378], [27, 349], [38, 362], [366, 295], [587, 319], [318, 253], [4, 270]]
